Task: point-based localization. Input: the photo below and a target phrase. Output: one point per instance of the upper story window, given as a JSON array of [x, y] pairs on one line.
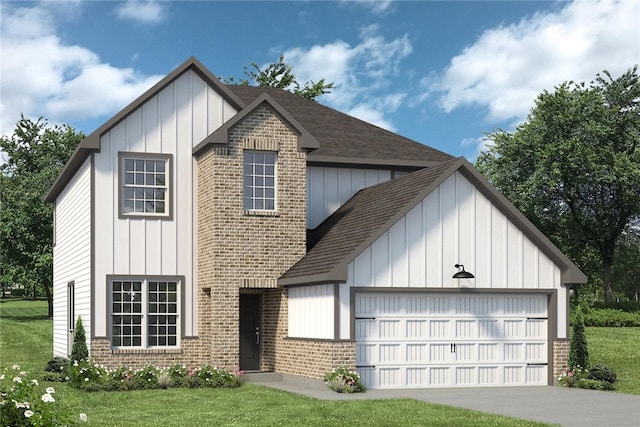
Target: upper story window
[[259, 180], [144, 185]]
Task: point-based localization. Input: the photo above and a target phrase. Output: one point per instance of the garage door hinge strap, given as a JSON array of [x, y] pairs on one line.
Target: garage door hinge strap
[[365, 318], [537, 364], [537, 318], [365, 366]]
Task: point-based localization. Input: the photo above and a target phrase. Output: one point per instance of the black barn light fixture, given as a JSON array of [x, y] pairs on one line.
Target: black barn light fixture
[[462, 274]]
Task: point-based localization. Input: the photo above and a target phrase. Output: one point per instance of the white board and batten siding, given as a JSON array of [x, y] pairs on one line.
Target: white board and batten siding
[[171, 122], [328, 188], [406, 340], [311, 312], [72, 255], [454, 224]]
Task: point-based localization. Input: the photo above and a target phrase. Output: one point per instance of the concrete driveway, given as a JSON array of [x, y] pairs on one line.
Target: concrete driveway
[[555, 405]]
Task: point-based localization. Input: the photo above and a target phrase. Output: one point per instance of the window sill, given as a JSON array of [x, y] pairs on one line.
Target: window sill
[[261, 213], [146, 351]]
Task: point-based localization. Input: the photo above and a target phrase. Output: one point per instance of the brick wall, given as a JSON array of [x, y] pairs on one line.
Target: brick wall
[[189, 354], [238, 249], [560, 358]]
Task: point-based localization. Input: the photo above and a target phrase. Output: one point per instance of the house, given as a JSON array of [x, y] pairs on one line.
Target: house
[[249, 227]]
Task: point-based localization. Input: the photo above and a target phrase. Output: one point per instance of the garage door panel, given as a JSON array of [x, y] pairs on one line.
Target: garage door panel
[[450, 340]]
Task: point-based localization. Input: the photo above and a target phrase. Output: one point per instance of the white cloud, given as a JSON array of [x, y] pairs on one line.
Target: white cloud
[[507, 67], [143, 12], [362, 73], [42, 76]]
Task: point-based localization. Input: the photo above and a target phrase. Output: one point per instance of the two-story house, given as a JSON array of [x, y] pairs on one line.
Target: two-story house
[[248, 227]]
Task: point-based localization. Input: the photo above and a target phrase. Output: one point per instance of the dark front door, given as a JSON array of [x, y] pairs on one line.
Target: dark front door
[[250, 332]]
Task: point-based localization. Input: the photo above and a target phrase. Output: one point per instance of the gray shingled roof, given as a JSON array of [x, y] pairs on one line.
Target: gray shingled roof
[[344, 137]]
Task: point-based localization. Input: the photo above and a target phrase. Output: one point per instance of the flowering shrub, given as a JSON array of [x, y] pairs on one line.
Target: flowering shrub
[[581, 378], [24, 402], [344, 380], [87, 375], [90, 376]]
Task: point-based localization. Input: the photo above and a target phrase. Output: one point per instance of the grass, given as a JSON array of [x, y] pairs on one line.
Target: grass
[[619, 349], [25, 339]]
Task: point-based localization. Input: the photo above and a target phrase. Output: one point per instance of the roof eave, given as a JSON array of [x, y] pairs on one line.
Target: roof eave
[[320, 160], [336, 275]]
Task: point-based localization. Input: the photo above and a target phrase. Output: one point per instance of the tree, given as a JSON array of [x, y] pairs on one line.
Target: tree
[[280, 75], [33, 156], [578, 351], [79, 349], [573, 167]]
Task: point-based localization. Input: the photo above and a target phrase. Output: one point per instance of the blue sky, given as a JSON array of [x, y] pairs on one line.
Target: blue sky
[[440, 72]]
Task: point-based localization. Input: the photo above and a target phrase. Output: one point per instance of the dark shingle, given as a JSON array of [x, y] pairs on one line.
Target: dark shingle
[[343, 136]]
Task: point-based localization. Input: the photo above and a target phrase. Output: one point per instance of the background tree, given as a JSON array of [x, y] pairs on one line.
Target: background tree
[[33, 156], [573, 167], [280, 75]]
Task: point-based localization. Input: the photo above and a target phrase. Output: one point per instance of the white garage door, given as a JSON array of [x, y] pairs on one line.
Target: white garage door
[[451, 340]]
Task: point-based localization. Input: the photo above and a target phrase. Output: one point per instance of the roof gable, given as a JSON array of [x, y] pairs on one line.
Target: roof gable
[[221, 135], [91, 143], [372, 211]]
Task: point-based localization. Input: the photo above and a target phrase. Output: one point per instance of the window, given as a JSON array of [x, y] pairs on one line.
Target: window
[[71, 303], [145, 313], [145, 185], [259, 185]]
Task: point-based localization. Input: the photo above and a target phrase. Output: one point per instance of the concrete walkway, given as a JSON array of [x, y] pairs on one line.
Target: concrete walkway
[[555, 405]]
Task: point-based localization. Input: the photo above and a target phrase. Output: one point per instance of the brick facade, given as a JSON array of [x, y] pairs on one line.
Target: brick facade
[[247, 250]]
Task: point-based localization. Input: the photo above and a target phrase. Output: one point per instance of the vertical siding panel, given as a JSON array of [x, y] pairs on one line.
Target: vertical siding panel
[[515, 256], [380, 254], [345, 311], [398, 253], [168, 130], [345, 189], [415, 246], [362, 268], [331, 201], [120, 241], [384, 175], [483, 233], [184, 132], [466, 224], [135, 135], [433, 239], [529, 265], [499, 256], [199, 107], [315, 196], [371, 178], [358, 180], [449, 219]]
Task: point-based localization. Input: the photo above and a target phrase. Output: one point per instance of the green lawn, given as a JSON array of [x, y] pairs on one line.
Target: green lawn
[[25, 339], [619, 349]]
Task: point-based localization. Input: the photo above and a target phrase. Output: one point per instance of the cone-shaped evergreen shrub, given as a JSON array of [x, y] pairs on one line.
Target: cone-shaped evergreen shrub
[[578, 353], [79, 350]]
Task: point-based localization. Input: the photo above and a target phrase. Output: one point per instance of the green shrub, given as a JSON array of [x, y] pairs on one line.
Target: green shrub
[[344, 380], [79, 350], [602, 373], [86, 375], [219, 378], [578, 351], [593, 384], [57, 364], [607, 317]]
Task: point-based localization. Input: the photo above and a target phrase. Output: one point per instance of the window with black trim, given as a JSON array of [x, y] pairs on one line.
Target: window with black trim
[[259, 180], [144, 185], [145, 313]]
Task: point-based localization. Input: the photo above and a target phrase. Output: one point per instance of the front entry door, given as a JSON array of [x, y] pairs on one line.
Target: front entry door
[[250, 338]]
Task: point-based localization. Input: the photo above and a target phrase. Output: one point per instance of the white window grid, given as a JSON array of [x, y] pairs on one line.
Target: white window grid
[[145, 189], [145, 314], [259, 180]]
